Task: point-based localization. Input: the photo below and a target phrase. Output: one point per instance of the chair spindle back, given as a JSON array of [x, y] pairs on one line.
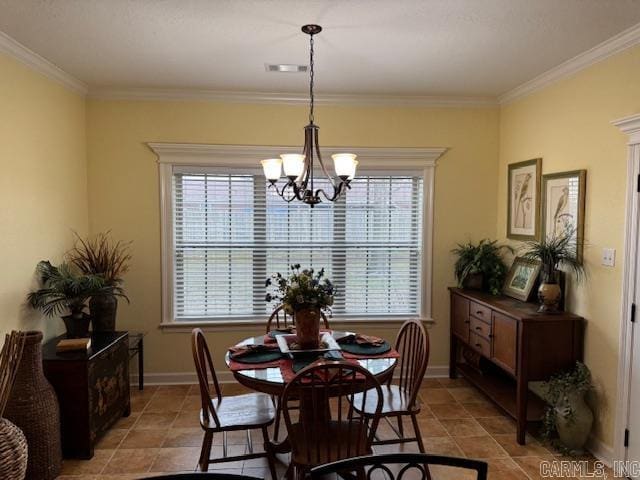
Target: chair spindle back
[[413, 345], [327, 427], [205, 369]]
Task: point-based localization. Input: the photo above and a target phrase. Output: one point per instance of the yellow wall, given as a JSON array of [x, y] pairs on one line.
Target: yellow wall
[[43, 184], [124, 197], [568, 125]]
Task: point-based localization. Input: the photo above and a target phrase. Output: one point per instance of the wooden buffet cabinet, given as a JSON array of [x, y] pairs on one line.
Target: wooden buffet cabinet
[[500, 345]]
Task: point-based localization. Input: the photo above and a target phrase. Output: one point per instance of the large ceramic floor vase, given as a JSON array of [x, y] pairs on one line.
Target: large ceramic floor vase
[[33, 407], [308, 328]]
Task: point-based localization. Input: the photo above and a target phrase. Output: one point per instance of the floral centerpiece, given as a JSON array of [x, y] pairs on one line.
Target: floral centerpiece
[[303, 294]]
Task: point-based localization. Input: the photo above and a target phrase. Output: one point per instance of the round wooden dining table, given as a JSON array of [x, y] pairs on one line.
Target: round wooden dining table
[[270, 380]]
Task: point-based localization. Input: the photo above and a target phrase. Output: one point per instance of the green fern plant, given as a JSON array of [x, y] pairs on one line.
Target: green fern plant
[[484, 258], [64, 290]]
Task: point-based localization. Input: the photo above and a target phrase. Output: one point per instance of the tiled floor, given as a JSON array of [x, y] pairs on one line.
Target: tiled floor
[[163, 435]]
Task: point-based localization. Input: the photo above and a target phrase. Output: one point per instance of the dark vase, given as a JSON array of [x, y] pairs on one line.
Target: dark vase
[[474, 281], [33, 408], [550, 292], [77, 325], [103, 312], [308, 328]]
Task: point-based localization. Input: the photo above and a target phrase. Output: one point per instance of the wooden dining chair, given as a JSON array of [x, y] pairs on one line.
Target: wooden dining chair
[[400, 397], [281, 319], [322, 426], [248, 412], [397, 466]]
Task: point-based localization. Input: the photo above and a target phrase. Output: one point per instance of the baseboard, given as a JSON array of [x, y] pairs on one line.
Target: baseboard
[[181, 378], [601, 451]]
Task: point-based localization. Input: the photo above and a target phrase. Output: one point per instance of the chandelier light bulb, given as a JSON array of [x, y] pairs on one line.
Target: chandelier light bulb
[[272, 168], [293, 164], [344, 164]]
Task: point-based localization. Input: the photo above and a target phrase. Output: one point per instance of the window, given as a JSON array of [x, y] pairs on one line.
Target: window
[[225, 232]]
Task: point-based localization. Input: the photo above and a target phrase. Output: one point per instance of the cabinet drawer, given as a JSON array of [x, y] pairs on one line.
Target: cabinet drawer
[[480, 328], [480, 344], [480, 311]]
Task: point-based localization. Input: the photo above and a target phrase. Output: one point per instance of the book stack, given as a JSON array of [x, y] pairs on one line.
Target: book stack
[[73, 345]]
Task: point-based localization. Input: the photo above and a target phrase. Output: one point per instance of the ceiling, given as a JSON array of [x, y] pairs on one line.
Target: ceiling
[[384, 47]]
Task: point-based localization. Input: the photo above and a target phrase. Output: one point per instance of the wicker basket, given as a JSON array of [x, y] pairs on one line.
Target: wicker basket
[[13, 451], [33, 407]]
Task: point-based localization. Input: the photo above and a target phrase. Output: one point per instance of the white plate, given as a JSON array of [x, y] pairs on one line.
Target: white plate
[[326, 337]]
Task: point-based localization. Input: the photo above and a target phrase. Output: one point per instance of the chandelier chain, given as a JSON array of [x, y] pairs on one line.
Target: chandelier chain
[[311, 80]]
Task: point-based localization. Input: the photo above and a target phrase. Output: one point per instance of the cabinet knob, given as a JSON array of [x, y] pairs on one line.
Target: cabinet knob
[[479, 312], [478, 328], [478, 345]]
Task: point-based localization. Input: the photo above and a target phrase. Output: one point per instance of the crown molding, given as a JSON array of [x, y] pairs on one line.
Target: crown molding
[[289, 98], [631, 126], [40, 64], [233, 155], [616, 44]]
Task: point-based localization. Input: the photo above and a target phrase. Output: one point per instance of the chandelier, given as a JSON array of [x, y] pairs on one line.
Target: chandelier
[[299, 168]]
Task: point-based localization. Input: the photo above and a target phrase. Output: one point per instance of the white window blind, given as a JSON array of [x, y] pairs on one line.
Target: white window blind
[[230, 233]]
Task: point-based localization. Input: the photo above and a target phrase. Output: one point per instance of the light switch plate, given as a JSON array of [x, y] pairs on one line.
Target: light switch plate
[[608, 257]]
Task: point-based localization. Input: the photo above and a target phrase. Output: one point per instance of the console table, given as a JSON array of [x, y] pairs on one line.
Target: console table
[[92, 389], [500, 344]]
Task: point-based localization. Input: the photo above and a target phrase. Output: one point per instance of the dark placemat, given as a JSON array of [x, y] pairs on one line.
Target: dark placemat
[[302, 361], [357, 349], [257, 357]]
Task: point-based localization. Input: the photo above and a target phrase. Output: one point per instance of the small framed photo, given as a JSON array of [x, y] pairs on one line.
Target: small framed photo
[[521, 278], [563, 198], [523, 214]]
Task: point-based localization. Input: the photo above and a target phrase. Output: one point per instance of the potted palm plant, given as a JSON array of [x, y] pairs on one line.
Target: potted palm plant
[[554, 252], [66, 292], [480, 267], [102, 256], [303, 294]]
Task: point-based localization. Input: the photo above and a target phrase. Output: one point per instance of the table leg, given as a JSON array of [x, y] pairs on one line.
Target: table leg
[[141, 365]]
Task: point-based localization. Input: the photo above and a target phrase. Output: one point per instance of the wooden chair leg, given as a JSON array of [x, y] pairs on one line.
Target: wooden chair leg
[[276, 429], [400, 426], [416, 431], [205, 452], [270, 455]]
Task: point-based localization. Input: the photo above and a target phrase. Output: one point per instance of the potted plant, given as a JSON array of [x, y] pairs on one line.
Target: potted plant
[[480, 266], [65, 291], [303, 294], [554, 252], [101, 256], [567, 413]]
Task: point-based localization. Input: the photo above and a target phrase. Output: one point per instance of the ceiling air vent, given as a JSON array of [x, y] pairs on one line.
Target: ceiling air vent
[[285, 67]]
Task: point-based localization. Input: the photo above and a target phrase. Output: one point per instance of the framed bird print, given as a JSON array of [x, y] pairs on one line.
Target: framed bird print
[[523, 214], [563, 199]]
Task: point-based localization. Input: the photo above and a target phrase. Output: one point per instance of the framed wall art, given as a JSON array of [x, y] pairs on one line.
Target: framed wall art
[[521, 278], [563, 200], [523, 214]]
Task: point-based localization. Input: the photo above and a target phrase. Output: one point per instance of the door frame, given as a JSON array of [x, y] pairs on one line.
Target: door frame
[[631, 127]]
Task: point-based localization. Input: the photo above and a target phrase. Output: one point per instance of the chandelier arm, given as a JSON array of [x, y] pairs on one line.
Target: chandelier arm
[[337, 191], [281, 192], [317, 146]]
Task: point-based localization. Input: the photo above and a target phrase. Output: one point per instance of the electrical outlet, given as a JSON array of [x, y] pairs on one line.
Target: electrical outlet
[[608, 257]]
